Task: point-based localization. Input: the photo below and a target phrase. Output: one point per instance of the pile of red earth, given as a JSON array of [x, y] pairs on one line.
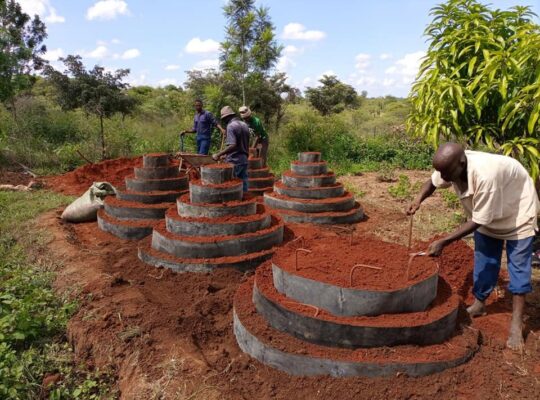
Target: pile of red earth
[[259, 176], [79, 180], [147, 195], [214, 225], [308, 193], [332, 307]]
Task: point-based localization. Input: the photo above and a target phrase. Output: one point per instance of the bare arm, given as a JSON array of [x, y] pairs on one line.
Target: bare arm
[[229, 149], [426, 191], [435, 249]]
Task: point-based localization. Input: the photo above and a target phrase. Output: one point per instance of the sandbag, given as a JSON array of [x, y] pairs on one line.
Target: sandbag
[[85, 208]]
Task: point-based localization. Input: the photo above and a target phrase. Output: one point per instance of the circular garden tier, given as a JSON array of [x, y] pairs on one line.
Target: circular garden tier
[[309, 193], [260, 180], [342, 309], [215, 225], [149, 192]]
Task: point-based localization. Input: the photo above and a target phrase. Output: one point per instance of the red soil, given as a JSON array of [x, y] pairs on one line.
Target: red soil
[[247, 199], [459, 345], [332, 260], [14, 178], [282, 185], [134, 223], [276, 224], [444, 304], [185, 347], [218, 166], [346, 196], [156, 154], [322, 214], [179, 179], [229, 184], [78, 181], [228, 219], [114, 201]]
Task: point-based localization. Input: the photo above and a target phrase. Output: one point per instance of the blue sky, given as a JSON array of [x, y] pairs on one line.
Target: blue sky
[[372, 45]]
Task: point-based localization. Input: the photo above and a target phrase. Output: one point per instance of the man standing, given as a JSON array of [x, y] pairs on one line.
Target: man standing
[[256, 126], [501, 203], [203, 124], [237, 142]]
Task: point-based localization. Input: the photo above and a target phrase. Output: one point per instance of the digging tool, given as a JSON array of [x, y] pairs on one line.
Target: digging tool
[[412, 256], [410, 232]]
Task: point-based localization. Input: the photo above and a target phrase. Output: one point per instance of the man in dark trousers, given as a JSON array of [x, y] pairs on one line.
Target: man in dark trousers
[[237, 142], [501, 204], [203, 124], [257, 128]]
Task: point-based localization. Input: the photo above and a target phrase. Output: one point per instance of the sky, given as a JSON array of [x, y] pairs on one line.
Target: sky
[[374, 46]]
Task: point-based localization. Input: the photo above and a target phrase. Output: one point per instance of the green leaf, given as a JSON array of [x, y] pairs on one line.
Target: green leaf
[[472, 62]]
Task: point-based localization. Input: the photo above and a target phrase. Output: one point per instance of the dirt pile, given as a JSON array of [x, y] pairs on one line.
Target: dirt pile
[[79, 180]]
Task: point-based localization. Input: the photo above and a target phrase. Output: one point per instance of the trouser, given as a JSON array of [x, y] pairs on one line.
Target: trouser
[[203, 145], [487, 264], [264, 150], [241, 172]]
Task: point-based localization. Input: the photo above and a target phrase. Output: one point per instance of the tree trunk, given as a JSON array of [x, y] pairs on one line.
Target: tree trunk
[[103, 150]]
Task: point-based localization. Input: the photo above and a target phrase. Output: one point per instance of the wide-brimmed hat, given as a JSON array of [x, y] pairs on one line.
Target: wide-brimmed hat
[[226, 111], [244, 111]]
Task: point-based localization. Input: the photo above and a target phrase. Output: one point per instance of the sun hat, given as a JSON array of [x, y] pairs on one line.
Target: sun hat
[[226, 111], [244, 111]]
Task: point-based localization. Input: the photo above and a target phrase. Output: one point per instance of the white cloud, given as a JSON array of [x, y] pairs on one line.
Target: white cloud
[[99, 52], [406, 67], [362, 62], [107, 9], [43, 8], [137, 81], [298, 31], [286, 61], [172, 67], [366, 81], [53, 55], [198, 46], [207, 64], [388, 82], [130, 54], [385, 56], [116, 41], [167, 81]]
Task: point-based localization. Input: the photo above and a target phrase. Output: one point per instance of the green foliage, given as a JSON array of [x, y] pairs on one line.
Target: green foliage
[[32, 317], [333, 96], [21, 47], [403, 190], [250, 51], [479, 82], [450, 198], [95, 91]]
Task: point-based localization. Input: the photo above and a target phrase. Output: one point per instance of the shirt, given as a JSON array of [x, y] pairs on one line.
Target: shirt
[[256, 126], [500, 196], [238, 134], [203, 124]]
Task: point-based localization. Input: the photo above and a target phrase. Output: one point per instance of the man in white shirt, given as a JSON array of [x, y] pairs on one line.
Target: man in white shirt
[[501, 204]]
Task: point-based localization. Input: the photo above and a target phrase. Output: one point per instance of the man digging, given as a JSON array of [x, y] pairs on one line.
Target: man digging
[[501, 203], [237, 142]]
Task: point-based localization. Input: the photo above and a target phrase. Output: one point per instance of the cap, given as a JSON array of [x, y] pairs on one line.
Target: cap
[[244, 111]]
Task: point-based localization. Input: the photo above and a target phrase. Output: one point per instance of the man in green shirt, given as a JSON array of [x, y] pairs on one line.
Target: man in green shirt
[[256, 128]]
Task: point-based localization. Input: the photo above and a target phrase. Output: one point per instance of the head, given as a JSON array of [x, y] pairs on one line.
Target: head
[[198, 105], [244, 112], [227, 113], [451, 162]]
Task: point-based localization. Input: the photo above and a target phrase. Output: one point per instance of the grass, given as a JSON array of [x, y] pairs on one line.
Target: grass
[[33, 317]]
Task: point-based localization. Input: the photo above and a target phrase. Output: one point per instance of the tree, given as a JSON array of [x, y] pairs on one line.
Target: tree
[[333, 96], [21, 39], [480, 80], [96, 91], [250, 51]]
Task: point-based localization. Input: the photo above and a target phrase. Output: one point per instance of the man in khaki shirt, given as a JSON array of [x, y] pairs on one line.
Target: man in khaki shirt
[[501, 204]]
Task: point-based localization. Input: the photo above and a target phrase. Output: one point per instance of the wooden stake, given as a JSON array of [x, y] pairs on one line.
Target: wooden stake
[[296, 257], [360, 266], [410, 232]]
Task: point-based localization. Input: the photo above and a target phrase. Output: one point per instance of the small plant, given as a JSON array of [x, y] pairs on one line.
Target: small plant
[[403, 189], [355, 190], [386, 173], [450, 198]]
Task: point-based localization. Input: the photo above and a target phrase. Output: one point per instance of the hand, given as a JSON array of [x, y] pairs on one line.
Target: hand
[[182, 133], [215, 157], [435, 249], [412, 208]]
